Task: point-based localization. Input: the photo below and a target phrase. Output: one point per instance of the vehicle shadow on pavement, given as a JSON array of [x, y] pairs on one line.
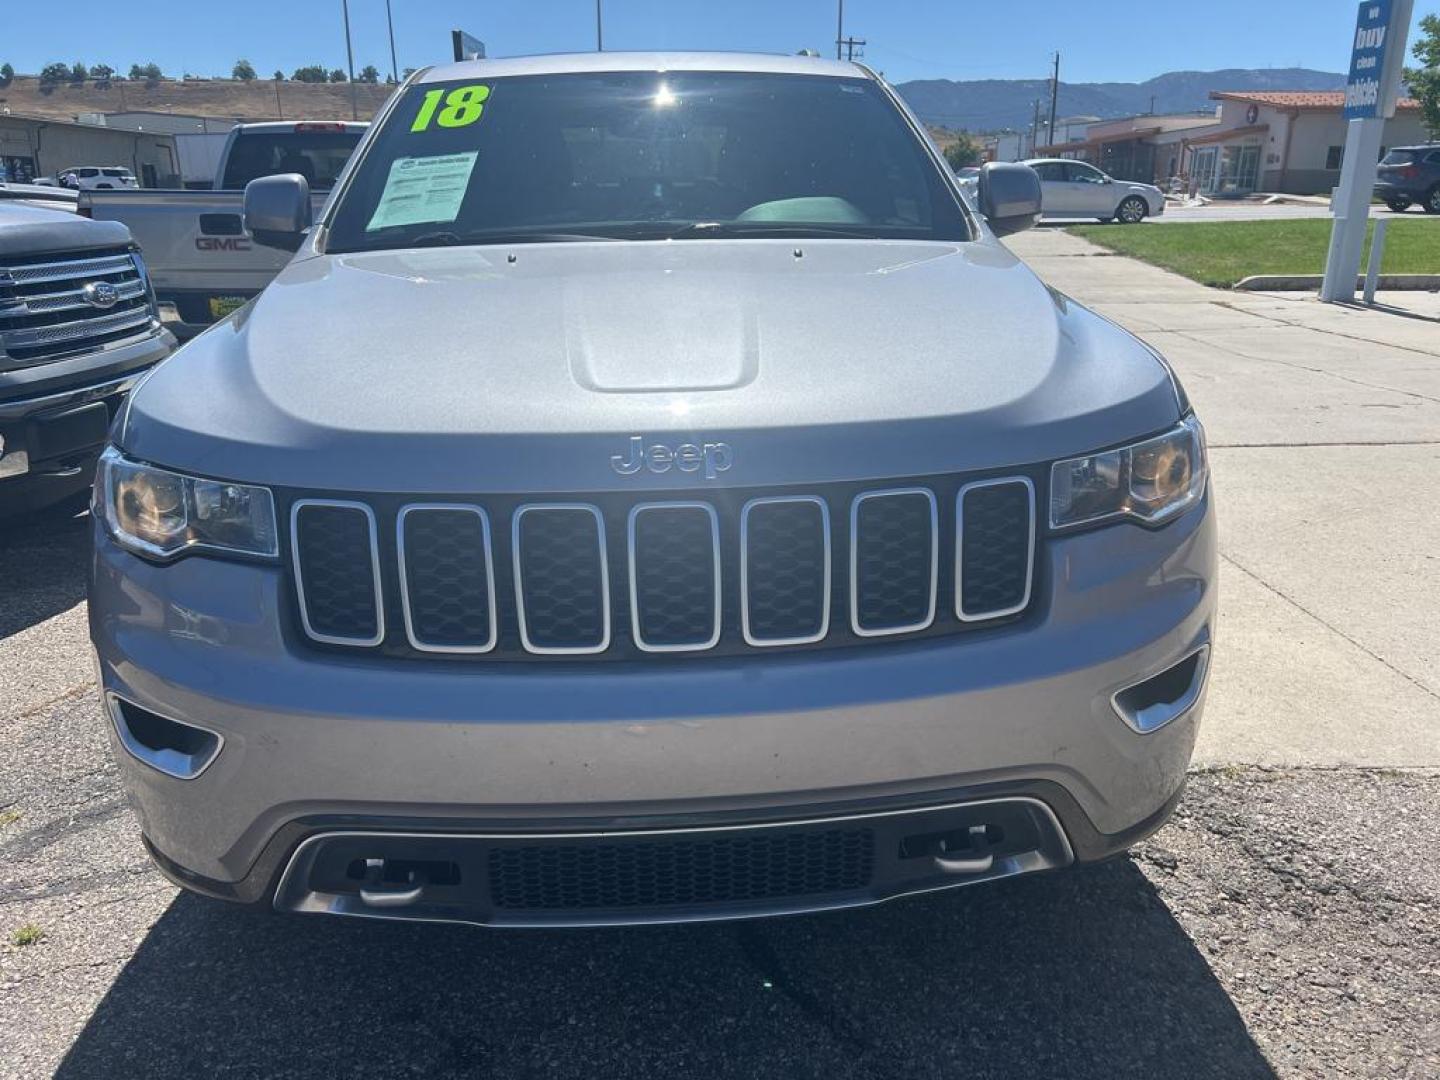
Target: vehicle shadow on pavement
[[42, 568], [1072, 974]]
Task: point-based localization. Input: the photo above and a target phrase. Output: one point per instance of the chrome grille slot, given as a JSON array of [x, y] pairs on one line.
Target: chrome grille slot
[[995, 548], [674, 576], [447, 578], [337, 571], [785, 570], [894, 561], [64, 305], [562, 580]]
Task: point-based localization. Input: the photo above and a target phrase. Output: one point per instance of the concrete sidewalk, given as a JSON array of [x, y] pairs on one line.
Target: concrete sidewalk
[[1324, 427]]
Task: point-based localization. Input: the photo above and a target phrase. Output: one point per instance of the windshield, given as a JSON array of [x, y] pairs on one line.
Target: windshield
[[316, 155], [642, 155]]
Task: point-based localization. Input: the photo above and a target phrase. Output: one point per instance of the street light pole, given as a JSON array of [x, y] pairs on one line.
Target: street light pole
[[350, 59], [390, 22], [599, 36], [839, 26]]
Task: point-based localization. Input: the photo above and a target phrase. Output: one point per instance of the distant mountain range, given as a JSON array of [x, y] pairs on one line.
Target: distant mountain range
[[997, 104]]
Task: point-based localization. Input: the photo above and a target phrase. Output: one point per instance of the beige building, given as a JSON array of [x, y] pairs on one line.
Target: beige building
[[31, 147], [1272, 141], [1280, 141]]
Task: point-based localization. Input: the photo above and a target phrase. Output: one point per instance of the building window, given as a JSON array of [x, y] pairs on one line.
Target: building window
[[1333, 157]]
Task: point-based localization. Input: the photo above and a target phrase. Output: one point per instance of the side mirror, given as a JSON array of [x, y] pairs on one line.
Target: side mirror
[[1009, 197], [277, 210]]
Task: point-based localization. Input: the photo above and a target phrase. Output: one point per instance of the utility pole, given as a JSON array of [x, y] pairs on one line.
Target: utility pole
[[1035, 130], [839, 28], [850, 43], [350, 59], [1054, 96], [599, 38], [390, 22]]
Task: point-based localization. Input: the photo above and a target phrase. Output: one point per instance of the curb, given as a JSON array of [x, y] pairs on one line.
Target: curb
[[1311, 282]]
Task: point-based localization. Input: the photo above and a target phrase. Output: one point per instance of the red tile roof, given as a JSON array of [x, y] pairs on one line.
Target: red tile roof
[[1298, 99]]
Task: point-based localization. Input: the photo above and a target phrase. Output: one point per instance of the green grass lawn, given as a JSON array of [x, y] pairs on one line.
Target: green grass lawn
[[1222, 252]]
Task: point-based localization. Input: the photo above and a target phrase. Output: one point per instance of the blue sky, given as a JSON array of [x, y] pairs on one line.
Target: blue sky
[[909, 39]]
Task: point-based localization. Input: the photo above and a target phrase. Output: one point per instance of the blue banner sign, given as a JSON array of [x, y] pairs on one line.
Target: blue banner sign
[[1365, 90]]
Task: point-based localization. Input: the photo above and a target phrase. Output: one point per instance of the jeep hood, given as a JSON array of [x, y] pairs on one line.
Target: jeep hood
[[492, 369]]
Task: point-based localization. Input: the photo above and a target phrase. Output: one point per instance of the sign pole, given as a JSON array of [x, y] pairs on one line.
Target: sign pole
[[1371, 94]]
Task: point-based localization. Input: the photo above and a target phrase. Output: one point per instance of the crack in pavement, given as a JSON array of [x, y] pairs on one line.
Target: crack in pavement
[[1320, 445], [1319, 330], [73, 693], [1193, 336], [1330, 626], [761, 956]]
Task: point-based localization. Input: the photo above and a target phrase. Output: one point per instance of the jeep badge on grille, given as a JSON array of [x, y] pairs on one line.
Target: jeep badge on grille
[[711, 457]]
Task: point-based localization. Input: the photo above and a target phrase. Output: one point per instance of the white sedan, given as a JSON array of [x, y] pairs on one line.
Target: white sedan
[[1074, 189]]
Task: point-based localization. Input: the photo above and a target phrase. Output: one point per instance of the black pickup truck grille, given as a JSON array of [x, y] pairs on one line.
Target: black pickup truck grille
[[56, 305], [617, 576]]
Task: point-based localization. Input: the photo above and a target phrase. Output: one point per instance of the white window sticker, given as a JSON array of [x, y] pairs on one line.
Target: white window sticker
[[423, 189]]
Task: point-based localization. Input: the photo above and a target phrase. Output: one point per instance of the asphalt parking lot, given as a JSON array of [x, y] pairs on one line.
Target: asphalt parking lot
[[1284, 924]]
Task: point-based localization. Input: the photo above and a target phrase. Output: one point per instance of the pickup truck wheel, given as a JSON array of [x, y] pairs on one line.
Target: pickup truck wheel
[[1398, 205], [1432, 200], [1131, 211]]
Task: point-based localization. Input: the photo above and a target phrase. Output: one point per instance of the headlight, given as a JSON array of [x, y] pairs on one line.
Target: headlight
[[160, 514], [1150, 481]]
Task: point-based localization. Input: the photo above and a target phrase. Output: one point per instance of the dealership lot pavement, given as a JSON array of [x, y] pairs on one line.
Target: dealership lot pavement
[[1286, 923]]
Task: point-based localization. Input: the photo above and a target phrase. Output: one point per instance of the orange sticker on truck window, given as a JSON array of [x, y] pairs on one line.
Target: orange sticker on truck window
[[463, 106]]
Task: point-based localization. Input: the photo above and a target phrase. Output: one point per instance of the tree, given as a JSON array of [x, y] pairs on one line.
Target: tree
[[243, 70], [279, 75], [310, 73], [51, 74], [337, 75], [7, 75], [407, 73], [963, 152], [151, 72], [1424, 81], [102, 73], [368, 74], [389, 80], [79, 72]]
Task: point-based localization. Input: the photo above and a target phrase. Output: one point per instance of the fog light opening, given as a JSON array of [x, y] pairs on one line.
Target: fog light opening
[[168, 746], [1162, 699]]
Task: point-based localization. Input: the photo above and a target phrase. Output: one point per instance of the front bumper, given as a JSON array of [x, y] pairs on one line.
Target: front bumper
[[59, 421], [316, 744], [1386, 191]]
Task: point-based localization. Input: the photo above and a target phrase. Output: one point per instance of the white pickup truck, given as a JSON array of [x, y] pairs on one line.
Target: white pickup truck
[[202, 263]]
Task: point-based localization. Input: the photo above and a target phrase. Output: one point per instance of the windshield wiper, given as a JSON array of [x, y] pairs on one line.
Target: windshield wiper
[[787, 229], [444, 238]]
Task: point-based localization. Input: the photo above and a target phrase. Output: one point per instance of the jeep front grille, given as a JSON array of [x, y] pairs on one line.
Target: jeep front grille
[[45, 313], [622, 577]]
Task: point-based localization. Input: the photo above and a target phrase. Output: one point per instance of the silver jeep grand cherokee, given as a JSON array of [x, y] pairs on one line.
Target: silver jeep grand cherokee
[[650, 493]]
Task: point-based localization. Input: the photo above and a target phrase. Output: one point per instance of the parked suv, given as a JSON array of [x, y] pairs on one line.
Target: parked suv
[[97, 178], [78, 328], [649, 493], [1072, 189], [1410, 176]]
